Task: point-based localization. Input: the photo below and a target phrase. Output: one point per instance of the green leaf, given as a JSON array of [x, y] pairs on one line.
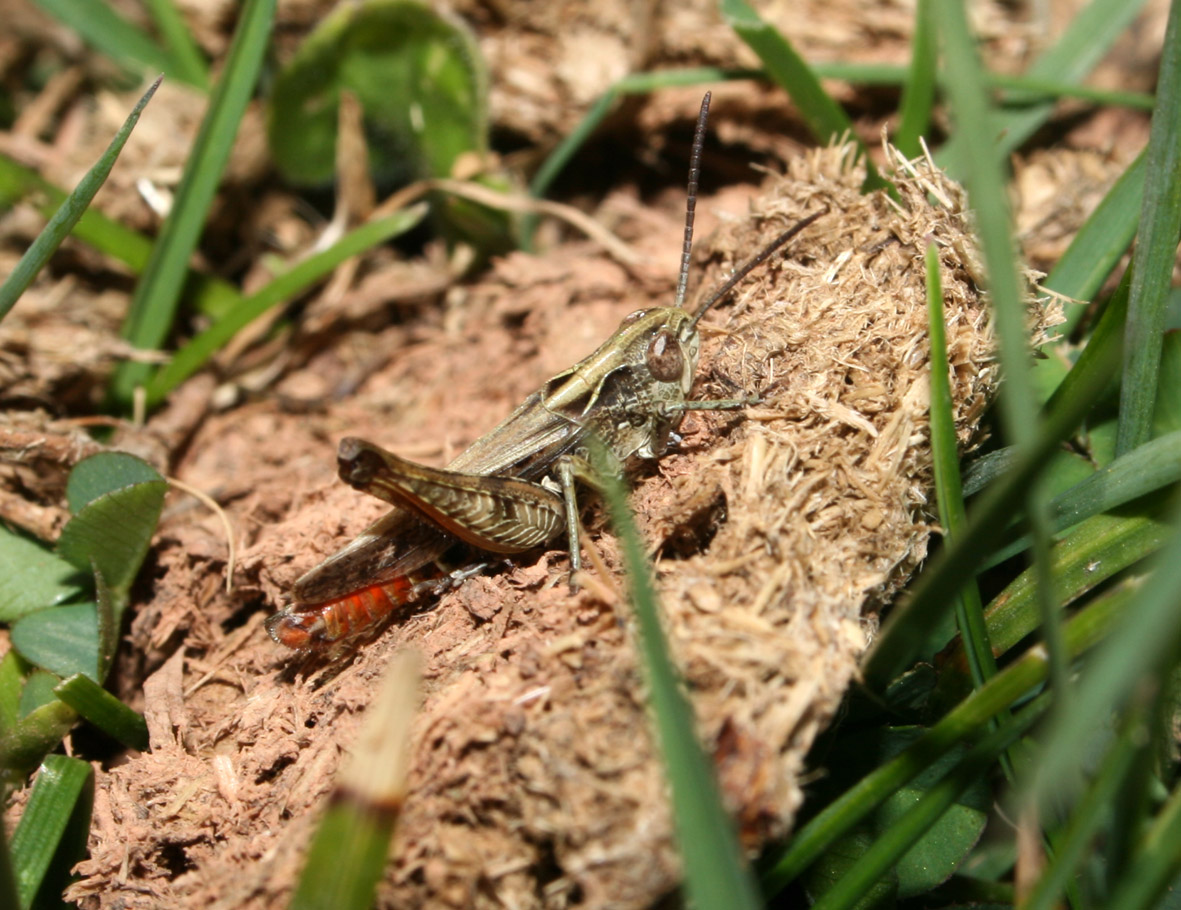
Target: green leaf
[[838, 861], [153, 307], [112, 533], [38, 692], [62, 640], [417, 74], [32, 577], [58, 807], [825, 118], [104, 710], [945, 843], [103, 473], [1155, 255], [67, 216]]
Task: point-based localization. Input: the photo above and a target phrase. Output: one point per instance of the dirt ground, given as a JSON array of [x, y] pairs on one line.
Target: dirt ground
[[776, 533]]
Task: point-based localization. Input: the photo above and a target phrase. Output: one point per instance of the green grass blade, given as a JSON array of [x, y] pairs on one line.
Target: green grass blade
[[715, 873], [888, 848], [349, 850], [1144, 643], [209, 295], [948, 492], [61, 786], [1097, 247], [962, 723], [1083, 44], [182, 49], [1155, 863], [824, 117], [906, 630], [1099, 548], [918, 93], [1156, 251], [1152, 467], [967, 95], [111, 34], [1093, 809], [153, 306], [198, 352], [104, 710], [67, 215], [23, 747]]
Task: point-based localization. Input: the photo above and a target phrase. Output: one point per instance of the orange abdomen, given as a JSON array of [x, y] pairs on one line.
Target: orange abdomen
[[307, 626]]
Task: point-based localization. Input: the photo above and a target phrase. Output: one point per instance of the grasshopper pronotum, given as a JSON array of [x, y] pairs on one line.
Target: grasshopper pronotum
[[513, 489]]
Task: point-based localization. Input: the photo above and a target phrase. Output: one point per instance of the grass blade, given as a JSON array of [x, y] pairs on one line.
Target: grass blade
[[906, 831], [1156, 252], [907, 628], [350, 847], [182, 49], [948, 492], [1097, 247], [111, 34], [715, 874], [1155, 863], [918, 93], [824, 117], [967, 94], [153, 306], [61, 787], [71, 210], [1092, 810], [962, 723], [1083, 44], [1147, 637], [1154, 466], [198, 352], [104, 710], [209, 295]]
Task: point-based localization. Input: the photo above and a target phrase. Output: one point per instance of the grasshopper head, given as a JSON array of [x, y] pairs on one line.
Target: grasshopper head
[[664, 341]]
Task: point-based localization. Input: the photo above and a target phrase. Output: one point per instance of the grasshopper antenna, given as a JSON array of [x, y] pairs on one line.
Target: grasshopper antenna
[[691, 202], [762, 256]]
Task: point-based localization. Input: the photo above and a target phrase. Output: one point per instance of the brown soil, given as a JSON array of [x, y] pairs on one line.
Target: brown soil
[[776, 533]]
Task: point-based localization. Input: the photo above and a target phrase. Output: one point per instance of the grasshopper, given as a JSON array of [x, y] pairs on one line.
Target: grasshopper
[[513, 490]]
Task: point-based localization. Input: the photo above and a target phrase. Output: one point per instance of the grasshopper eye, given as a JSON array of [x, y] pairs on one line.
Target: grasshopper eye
[[633, 317], [664, 358]]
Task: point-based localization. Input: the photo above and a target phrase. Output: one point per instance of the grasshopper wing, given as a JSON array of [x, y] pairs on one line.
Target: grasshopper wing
[[394, 545]]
